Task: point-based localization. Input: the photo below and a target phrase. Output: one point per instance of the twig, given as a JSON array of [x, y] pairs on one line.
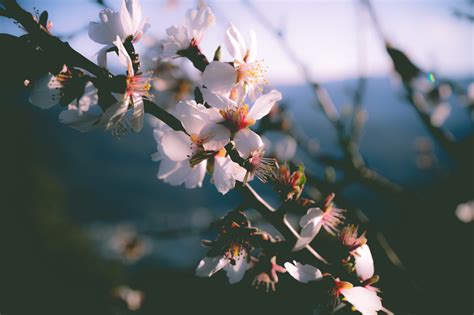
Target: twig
[[418, 102]]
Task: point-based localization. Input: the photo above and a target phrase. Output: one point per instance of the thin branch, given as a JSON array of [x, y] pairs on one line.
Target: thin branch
[[418, 102]]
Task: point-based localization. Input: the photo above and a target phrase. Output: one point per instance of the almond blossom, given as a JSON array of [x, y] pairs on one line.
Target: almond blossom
[[86, 114], [359, 250], [237, 118], [137, 87], [315, 219], [244, 77], [129, 22], [52, 89], [184, 156], [189, 33], [231, 251]]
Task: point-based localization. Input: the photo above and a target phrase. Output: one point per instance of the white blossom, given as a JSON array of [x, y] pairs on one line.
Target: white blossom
[[315, 219], [210, 265], [184, 157], [189, 33], [245, 77], [128, 22]]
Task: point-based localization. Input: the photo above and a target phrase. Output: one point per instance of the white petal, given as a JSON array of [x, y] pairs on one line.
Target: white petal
[[114, 114], [176, 145], [364, 263], [191, 115], [236, 272], [217, 100], [303, 273], [219, 76], [222, 175], [210, 265], [44, 94], [81, 121], [167, 167], [109, 27], [177, 175], [102, 57], [196, 175], [252, 52], [100, 33], [138, 112], [311, 225], [264, 104], [135, 11], [364, 300], [246, 142], [126, 19], [216, 135], [124, 58], [235, 44]]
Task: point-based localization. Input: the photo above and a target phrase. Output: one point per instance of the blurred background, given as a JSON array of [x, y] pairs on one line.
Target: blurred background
[[87, 228]]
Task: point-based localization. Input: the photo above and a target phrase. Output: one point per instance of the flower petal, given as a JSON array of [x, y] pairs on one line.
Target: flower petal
[[311, 225], [125, 18], [176, 145], [236, 272], [235, 44], [364, 300], [216, 137], [303, 273], [219, 76], [138, 112], [124, 58], [196, 175], [246, 142], [364, 263], [192, 116], [81, 121], [217, 100], [264, 104], [210, 265], [223, 174], [252, 52]]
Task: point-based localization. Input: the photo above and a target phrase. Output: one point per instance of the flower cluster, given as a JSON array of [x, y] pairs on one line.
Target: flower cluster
[[213, 132]]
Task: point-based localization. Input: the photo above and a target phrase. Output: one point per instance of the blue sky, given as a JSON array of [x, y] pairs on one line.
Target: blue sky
[[328, 35]]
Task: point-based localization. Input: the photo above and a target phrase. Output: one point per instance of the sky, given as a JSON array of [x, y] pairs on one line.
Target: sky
[[335, 39]]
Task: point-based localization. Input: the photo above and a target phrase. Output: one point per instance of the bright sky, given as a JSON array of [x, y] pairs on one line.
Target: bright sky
[[328, 35]]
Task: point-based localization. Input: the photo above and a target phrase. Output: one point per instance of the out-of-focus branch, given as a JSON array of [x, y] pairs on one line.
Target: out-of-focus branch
[[355, 164], [55, 47], [408, 71]]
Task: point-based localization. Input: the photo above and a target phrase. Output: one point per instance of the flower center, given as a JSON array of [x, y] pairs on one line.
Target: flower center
[[236, 117], [260, 166], [138, 85], [252, 74]]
